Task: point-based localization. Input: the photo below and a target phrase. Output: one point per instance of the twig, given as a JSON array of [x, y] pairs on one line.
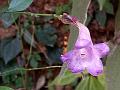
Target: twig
[[32, 40], [28, 69], [36, 14]]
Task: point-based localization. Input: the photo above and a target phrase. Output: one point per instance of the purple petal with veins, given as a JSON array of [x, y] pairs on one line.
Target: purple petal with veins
[[102, 49]]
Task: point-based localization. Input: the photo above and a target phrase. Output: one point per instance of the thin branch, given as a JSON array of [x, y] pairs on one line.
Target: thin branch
[[36, 14], [49, 67], [32, 40], [28, 69]]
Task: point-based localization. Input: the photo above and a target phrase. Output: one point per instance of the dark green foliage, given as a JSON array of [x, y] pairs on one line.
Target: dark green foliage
[[101, 17], [101, 4], [34, 60], [108, 7], [9, 48], [47, 35], [54, 55], [89, 18]]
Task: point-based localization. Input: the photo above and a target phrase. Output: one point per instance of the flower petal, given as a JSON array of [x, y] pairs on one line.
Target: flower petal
[[84, 38], [102, 49], [67, 56], [81, 43], [95, 68], [73, 61], [75, 65]]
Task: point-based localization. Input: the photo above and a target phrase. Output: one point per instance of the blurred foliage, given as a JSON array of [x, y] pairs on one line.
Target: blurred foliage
[[36, 42], [101, 3], [34, 58], [46, 35], [91, 83], [113, 60], [65, 79], [5, 88], [14, 47], [101, 18], [63, 8], [112, 70]]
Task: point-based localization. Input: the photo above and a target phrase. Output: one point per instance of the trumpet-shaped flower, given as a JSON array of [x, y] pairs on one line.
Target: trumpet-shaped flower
[[85, 55]]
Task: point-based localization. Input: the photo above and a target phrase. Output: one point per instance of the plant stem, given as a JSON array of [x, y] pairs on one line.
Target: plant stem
[[28, 69], [32, 40], [36, 14]]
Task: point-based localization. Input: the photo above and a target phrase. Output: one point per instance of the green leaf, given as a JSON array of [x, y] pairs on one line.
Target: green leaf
[[4, 69], [11, 49], [54, 54], [47, 35], [19, 5], [102, 80], [67, 78], [90, 83], [101, 18], [101, 3], [83, 85], [112, 70], [2, 45], [8, 18], [108, 7], [5, 88], [113, 60], [95, 84]]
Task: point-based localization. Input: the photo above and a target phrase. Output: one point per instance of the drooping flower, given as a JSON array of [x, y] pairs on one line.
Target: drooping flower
[[85, 55]]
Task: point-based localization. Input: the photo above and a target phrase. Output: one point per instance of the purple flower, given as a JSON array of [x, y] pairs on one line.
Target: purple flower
[[85, 55]]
